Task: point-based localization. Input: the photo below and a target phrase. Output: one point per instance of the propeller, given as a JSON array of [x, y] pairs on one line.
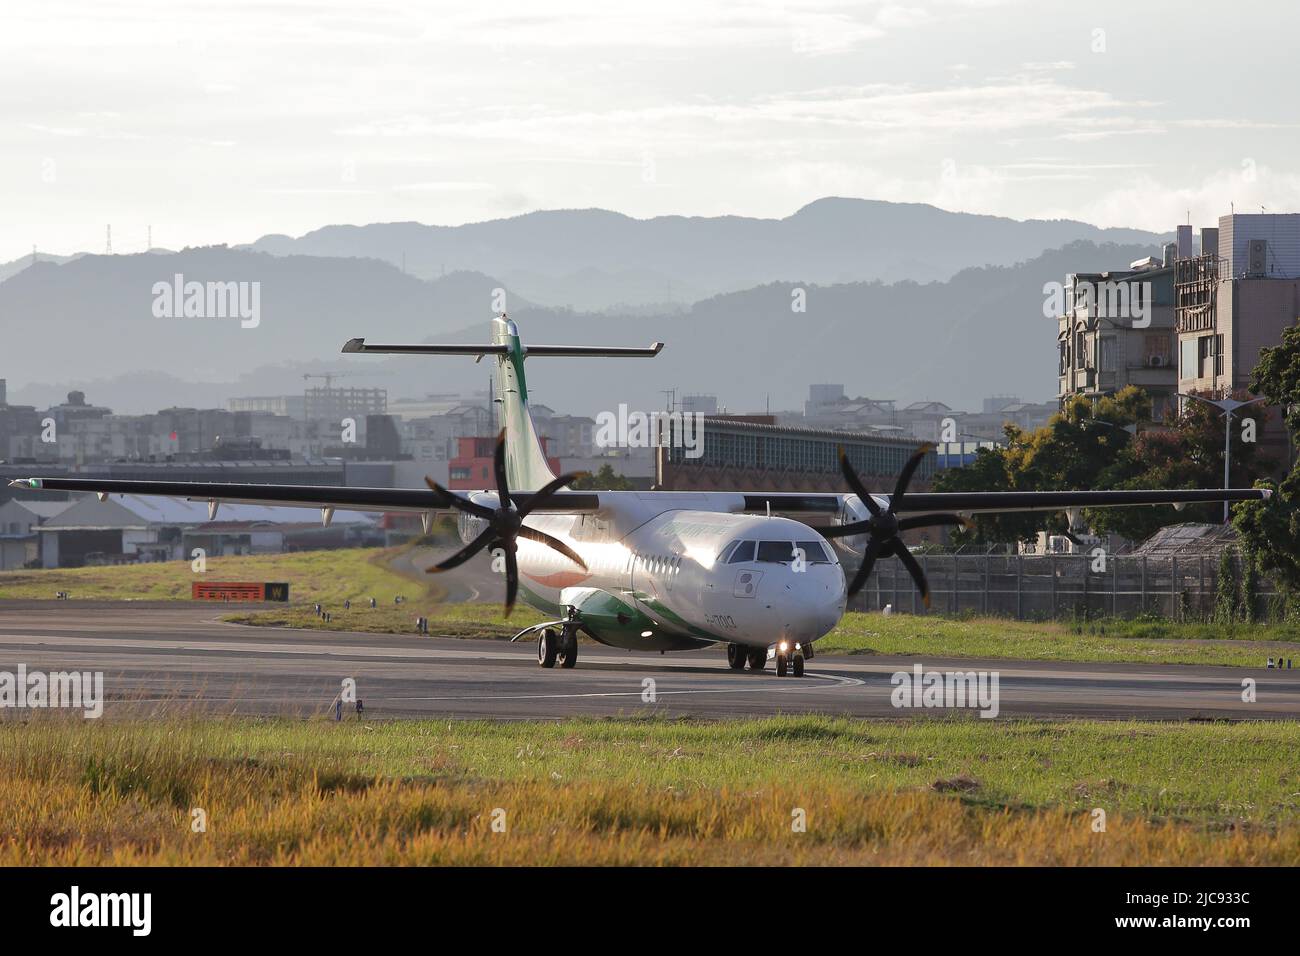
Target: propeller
[[884, 526], [505, 523]]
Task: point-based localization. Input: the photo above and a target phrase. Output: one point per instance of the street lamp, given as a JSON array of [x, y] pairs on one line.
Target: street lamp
[[1227, 406]]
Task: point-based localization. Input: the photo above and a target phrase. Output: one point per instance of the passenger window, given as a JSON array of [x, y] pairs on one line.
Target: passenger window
[[744, 552]]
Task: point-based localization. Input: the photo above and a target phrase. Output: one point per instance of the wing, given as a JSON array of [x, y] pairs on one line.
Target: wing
[[300, 496], [994, 502]]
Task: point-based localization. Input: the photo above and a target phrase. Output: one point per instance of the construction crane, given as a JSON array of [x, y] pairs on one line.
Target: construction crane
[[329, 377]]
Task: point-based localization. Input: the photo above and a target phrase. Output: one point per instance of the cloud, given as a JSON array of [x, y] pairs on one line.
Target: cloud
[[1159, 204]]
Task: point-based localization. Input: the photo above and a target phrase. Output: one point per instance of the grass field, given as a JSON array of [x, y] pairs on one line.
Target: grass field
[[648, 791], [330, 577], [1108, 639]]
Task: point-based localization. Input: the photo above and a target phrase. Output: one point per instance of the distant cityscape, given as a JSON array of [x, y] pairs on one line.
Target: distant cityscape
[[1191, 320]]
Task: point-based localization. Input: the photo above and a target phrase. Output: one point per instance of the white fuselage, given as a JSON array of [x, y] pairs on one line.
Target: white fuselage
[[697, 573]]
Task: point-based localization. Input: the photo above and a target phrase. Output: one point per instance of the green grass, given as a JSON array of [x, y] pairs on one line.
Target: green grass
[[1106, 640], [638, 791], [329, 577]]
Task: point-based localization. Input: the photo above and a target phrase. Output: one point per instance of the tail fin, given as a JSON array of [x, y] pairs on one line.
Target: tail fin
[[526, 467]]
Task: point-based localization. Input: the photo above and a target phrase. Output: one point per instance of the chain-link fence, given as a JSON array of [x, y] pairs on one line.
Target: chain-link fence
[[1029, 587]]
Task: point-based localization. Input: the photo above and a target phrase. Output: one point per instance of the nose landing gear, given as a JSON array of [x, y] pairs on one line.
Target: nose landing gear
[[788, 657]]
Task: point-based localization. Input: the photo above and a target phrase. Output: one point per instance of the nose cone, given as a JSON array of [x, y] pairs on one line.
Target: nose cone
[[811, 603]]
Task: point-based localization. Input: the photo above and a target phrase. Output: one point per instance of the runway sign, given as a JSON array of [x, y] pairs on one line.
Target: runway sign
[[239, 591]]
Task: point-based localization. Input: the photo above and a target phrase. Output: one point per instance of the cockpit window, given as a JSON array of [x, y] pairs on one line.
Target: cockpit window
[[726, 552], [782, 552], [813, 552], [775, 552], [743, 553]]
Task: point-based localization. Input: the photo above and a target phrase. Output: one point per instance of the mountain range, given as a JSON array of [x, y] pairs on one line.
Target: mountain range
[[88, 323]]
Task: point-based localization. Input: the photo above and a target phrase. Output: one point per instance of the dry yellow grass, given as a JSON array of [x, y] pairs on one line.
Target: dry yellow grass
[[612, 792]]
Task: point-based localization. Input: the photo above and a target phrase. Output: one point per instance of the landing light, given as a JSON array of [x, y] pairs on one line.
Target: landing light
[[647, 633], [784, 647]]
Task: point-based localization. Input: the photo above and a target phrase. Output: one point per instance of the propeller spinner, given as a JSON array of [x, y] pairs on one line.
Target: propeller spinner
[[505, 523], [884, 526]]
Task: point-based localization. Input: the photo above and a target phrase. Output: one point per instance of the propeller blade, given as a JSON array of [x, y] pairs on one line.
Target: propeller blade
[[913, 569], [855, 483], [905, 476], [846, 530], [532, 534], [930, 521], [464, 554], [499, 466], [864, 570], [456, 501], [548, 489], [512, 577]]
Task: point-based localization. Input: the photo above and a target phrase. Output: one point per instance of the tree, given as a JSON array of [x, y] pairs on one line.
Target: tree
[[605, 479], [1185, 452], [1271, 529], [1091, 445], [1225, 589], [1074, 451]]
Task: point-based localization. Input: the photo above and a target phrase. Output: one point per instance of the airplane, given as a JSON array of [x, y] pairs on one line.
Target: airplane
[[656, 570]]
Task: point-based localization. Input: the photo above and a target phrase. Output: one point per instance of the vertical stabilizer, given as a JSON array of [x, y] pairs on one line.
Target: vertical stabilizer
[[526, 466]]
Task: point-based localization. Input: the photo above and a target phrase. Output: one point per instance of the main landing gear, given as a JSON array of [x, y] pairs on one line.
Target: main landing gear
[[557, 644], [787, 658]]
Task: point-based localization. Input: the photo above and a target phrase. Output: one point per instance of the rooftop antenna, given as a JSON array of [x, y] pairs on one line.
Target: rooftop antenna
[[670, 396]]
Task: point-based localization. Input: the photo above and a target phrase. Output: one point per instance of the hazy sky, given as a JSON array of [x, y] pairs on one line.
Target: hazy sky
[[224, 121]]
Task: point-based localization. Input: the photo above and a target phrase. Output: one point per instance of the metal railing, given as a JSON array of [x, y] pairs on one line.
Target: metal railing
[[1038, 587]]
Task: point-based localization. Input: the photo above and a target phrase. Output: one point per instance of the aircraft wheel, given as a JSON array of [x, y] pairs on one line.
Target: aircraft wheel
[[547, 647], [782, 664], [736, 657], [798, 665], [568, 650], [757, 659]]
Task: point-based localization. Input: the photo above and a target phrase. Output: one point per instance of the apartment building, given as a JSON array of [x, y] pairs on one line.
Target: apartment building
[[1116, 329], [1234, 298]]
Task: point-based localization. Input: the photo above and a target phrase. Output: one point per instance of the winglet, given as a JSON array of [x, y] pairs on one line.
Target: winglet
[[25, 483], [354, 345]]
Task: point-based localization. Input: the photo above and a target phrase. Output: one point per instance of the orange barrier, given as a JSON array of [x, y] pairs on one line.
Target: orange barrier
[[239, 591]]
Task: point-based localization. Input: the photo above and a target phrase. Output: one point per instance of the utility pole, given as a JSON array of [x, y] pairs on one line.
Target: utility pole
[[1226, 406]]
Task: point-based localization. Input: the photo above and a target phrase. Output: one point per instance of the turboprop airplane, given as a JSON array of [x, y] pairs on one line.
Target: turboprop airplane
[[658, 570]]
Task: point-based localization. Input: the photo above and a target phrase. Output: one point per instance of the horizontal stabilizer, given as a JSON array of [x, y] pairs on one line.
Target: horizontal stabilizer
[[359, 345], [595, 350]]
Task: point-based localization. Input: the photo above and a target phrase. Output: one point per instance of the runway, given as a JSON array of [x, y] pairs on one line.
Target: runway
[[166, 658]]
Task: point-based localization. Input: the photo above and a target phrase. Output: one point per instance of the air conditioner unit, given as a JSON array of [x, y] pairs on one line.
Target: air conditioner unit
[[1157, 361]]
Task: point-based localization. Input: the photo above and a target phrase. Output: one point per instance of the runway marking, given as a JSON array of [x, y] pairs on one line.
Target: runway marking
[[837, 681]]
